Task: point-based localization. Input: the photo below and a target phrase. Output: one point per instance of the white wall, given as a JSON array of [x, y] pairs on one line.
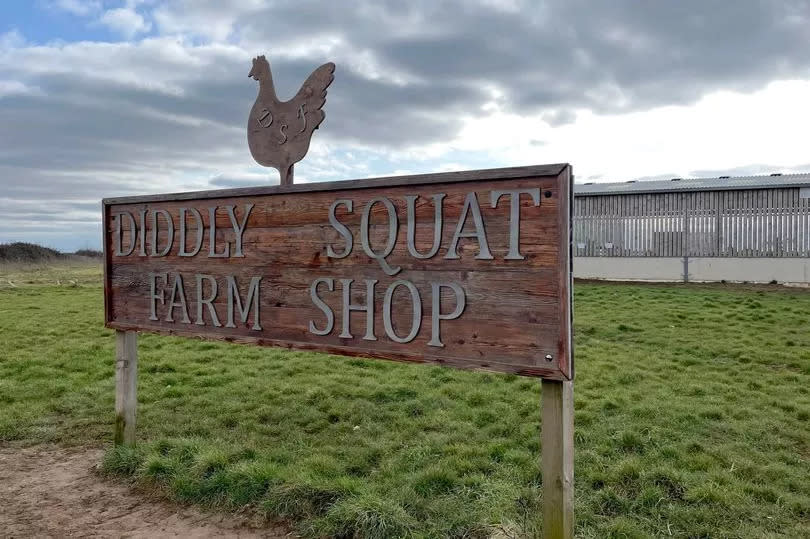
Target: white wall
[[753, 270]]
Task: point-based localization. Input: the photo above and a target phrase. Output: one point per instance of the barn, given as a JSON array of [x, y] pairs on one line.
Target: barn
[[739, 229]]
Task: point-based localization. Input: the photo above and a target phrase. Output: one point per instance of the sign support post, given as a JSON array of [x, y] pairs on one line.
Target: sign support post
[[557, 458], [126, 386]]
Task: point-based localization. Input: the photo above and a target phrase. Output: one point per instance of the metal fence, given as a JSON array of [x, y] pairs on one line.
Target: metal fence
[[731, 223]]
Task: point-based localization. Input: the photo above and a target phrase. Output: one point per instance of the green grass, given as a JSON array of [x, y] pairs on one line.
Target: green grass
[[70, 272], [692, 420]]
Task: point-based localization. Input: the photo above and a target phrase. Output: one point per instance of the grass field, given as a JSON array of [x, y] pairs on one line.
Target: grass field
[[692, 419], [76, 271]]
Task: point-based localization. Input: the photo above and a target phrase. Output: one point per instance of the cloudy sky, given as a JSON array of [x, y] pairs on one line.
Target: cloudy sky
[[103, 98]]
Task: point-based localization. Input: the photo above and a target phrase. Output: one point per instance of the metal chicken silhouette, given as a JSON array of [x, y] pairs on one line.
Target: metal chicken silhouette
[[279, 132]]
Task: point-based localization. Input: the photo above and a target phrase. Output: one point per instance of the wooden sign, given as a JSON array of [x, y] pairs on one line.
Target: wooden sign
[[466, 269]]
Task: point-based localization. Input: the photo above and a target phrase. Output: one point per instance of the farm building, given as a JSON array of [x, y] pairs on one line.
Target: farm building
[[751, 228]]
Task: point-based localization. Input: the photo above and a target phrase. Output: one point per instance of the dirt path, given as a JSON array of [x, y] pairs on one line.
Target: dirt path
[[56, 492]]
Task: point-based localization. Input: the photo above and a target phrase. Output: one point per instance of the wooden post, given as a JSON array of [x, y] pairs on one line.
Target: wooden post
[[557, 441], [126, 386]]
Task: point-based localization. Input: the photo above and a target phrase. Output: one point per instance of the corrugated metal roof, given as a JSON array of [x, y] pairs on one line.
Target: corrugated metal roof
[[694, 184]]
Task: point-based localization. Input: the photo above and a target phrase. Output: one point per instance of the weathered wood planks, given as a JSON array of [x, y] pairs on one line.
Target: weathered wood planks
[[470, 270]]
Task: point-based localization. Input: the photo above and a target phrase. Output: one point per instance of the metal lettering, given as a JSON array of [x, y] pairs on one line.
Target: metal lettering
[[436, 310], [133, 234], [283, 134], [330, 316], [437, 225], [416, 319], [341, 228], [470, 203], [392, 234], [514, 217], [153, 296], [348, 306], [302, 115], [208, 302], [252, 297], [200, 232], [238, 229], [265, 113], [212, 233], [142, 250], [177, 287], [169, 232]]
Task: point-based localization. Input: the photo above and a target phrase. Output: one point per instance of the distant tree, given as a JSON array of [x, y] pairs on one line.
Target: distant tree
[[92, 253], [27, 252]]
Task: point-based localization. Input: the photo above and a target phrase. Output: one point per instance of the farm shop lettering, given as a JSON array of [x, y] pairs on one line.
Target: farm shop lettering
[[441, 300], [177, 299], [470, 210], [161, 220]]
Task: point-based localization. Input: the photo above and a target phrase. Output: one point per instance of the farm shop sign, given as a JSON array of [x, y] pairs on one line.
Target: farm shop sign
[[468, 269]]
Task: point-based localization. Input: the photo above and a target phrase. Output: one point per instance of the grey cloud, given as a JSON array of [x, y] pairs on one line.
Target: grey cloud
[[225, 181], [606, 56]]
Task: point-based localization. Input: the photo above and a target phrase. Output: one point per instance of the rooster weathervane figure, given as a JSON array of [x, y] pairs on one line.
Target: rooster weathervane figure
[[279, 132]]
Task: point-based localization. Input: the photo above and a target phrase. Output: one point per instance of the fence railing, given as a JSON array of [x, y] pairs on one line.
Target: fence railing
[[754, 223]]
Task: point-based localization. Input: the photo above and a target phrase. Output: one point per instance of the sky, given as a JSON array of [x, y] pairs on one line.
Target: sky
[[106, 98]]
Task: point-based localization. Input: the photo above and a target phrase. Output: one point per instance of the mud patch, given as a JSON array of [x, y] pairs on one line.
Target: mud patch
[[57, 492]]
